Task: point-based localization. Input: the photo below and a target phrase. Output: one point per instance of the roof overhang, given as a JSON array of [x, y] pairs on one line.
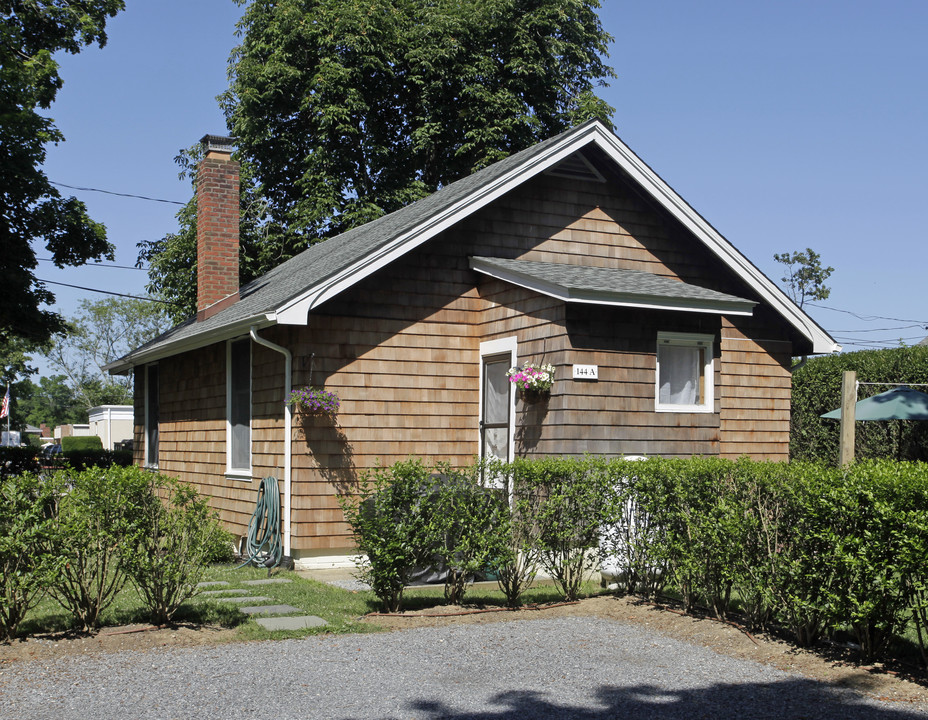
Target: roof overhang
[[607, 286], [193, 342]]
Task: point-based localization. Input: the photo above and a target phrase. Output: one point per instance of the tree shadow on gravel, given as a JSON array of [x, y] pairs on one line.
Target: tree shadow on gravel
[[793, 698]]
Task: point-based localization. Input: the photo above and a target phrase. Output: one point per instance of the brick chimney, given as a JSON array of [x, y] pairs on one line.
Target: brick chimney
[[217, 227]]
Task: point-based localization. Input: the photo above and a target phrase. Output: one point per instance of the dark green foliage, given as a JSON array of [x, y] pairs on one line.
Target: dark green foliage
[[169, 545], [27, 568], [18, 460], [463, 527], [345, 110], [81, 443], [83, 459], [32, 211], [817, 390], [410, 516], [390, 529], [569, 515], [48, 401]]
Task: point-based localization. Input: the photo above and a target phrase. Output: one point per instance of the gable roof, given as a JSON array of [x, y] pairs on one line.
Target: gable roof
[[290, 291]]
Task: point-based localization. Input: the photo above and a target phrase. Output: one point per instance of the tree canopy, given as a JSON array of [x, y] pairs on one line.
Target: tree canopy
[[31, 209], [102, 331], [51, 401], [805, 277], [344, 110]]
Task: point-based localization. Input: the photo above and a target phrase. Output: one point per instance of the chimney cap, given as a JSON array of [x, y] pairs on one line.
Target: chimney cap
[[217, 143]]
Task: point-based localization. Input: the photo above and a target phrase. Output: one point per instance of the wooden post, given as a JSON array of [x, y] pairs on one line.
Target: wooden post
[[848, 417]]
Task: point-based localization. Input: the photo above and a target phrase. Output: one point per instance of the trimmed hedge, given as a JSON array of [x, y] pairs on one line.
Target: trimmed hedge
[[817, 390], [805, 546], [81, 442]]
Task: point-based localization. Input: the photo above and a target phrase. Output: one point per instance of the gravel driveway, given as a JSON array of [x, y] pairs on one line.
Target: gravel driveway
[[550, 668]]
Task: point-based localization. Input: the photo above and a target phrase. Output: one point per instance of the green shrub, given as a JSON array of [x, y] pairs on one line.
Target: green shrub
[[878, 502], [98, 512], [569, 514], [390, 529], [632, 537], [26, 566], [81, 442], [463, 526], [517, 544], [169, 544]]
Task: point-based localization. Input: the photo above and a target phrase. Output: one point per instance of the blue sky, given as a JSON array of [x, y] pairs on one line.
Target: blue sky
[[785, 124]]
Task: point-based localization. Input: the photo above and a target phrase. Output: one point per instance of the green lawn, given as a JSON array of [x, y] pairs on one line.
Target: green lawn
[[341, 609]]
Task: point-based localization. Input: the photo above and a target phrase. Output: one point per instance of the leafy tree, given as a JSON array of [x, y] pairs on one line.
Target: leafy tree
[[805, 277], [50, 401], [32, 211], [15, 357], [345, 110], [103, 331]]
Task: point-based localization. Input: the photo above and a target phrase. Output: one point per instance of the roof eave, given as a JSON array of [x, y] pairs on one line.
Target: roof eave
[[194, 342]]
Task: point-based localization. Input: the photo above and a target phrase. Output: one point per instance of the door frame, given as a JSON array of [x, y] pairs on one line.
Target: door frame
[[490, 348]]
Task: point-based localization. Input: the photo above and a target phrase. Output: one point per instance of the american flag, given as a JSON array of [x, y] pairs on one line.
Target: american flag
[[5, 412]]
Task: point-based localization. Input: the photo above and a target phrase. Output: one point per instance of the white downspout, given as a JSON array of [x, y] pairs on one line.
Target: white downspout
[[288, 433]]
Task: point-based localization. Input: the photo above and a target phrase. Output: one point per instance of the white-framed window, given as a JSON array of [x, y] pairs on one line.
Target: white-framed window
[[238, 408], [684, 377], [151, 416]]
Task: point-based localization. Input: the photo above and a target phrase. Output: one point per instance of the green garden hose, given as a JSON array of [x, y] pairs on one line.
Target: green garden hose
[[263, 547]]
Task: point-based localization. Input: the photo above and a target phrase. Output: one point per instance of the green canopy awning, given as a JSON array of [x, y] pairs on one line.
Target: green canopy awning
[[901, 403]]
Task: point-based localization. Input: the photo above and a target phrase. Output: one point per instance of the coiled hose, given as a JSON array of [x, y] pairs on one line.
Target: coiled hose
[[263, 547]]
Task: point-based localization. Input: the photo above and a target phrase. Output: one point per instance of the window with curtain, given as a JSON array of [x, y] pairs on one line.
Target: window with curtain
[[684, 373]]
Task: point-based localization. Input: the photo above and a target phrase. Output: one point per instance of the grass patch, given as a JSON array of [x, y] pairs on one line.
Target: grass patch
[[339, 608]]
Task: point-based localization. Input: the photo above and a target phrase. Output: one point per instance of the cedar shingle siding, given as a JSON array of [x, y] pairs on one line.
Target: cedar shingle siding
[[401, 349]]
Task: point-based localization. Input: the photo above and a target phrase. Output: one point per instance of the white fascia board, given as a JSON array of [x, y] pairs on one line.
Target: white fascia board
[[638, 170], [616, 299], [296, 310], [194, 342]]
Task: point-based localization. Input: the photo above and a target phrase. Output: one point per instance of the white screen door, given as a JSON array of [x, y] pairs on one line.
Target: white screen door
[[496, 407]]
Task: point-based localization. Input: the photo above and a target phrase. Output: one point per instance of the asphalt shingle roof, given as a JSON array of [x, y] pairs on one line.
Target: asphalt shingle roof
[[579, 280], [322, 261]]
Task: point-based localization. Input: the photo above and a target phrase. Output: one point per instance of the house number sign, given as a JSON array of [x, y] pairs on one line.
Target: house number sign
[[586, 372]]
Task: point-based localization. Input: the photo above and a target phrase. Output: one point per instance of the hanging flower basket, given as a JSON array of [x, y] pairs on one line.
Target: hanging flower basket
[[532, 379], [314, 401]]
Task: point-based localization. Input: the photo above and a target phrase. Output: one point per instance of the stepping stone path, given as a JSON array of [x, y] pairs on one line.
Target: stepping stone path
[[289, 622]]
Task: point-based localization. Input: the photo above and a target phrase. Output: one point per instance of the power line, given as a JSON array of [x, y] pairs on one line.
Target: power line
[[873, 330], [118, 194], [107, 292], [96, 264], [869, 318]]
